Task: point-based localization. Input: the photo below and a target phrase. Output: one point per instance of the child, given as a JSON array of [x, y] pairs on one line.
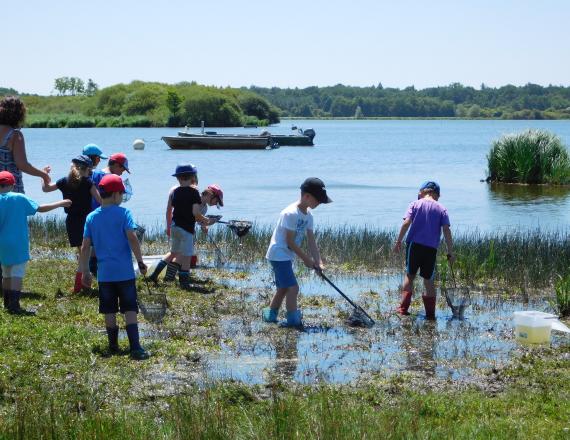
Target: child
[[79, 188], [94, 153], [211, 196], [294, 221], [118, 164], [425, 218], [111, 230], [14, 238]]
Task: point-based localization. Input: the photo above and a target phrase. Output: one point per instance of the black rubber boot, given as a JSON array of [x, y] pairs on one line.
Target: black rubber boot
[[171, 270], [14, 307], [6, 298], [157, 270], [113, 337], [184, 278]]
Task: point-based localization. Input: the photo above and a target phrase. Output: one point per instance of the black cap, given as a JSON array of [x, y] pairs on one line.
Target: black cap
[[83, 161], [316, 187]]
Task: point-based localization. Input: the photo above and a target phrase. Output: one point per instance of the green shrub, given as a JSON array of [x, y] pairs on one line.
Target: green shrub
[[531, 157]]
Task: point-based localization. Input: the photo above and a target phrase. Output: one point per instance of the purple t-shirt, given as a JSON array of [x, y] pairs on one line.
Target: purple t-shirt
[[428, 217]]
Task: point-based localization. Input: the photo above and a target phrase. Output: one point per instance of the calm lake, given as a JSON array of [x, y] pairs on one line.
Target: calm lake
[[372, 170]]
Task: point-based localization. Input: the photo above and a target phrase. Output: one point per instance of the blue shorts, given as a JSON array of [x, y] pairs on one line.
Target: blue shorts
[[113, 294], [284, 275]]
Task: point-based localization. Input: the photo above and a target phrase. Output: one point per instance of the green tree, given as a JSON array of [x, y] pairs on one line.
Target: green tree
[[91, 88]]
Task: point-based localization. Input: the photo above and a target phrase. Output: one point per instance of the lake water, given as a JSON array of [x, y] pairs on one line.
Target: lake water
[[372, 170]]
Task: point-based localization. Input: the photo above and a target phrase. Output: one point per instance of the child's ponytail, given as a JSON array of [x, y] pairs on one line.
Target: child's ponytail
[[74, 177]]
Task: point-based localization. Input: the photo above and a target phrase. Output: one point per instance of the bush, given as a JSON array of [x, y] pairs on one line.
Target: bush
[[531, 157]]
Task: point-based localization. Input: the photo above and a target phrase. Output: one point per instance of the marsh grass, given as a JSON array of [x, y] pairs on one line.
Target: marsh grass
[[388, 409], [562, 289], [530, 157], [514, 259]]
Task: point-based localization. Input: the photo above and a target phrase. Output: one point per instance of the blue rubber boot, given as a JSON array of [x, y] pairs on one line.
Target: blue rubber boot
[[294, 319], [269, 315]]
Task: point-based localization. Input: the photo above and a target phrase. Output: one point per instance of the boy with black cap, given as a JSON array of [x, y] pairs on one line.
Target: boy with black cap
[[425, 218], [111, 230], [295, 221], [15, 208]]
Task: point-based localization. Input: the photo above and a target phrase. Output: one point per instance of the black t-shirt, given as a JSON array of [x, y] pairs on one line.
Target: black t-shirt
[[183, 198], [80, 196]]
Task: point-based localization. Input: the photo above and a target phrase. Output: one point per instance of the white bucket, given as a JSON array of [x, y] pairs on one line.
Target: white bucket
[[532, 327]]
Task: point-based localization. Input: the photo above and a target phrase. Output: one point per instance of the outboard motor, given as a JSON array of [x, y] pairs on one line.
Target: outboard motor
[[310, 133]]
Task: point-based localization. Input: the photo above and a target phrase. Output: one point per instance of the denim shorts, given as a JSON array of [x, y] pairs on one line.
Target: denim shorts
[[182, 241], [14, 271], [284, 275], [113, 294]]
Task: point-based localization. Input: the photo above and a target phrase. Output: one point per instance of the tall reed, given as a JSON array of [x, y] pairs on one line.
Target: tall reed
[[530, 157]]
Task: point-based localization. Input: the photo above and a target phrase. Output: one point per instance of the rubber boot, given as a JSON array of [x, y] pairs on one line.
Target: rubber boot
[[294, 319], [269, 315], [405, 303], [429, 305], [14, 307], [184, 279], [78, 285], [137, 352], [193, 261], [1, 279], [6, 298], [157, 270], [171, 270], [113, 337], [93, 265]]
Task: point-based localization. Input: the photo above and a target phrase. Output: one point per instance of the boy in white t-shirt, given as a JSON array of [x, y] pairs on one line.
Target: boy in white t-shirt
[[294, 222]]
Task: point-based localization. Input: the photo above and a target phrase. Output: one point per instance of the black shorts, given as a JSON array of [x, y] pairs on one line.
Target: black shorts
[[74, 225], [118, 295], [421, 257]]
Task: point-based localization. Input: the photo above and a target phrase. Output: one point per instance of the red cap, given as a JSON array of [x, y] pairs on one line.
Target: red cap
[[111, 183], [7, 178], [218, 193], [121, 159]]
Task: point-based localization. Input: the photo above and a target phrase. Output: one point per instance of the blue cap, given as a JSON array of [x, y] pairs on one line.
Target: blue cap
[[93, 150], [83, 160], [186, 168], [430, 184]]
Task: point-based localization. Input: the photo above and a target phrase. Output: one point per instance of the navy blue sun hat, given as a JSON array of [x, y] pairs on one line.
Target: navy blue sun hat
[[186, 168], [430, 184], [83, 161]]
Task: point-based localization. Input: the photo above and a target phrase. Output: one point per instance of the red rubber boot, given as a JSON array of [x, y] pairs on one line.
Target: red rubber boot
[[429, 305], [405, 304], [193, 261], [77, 286]]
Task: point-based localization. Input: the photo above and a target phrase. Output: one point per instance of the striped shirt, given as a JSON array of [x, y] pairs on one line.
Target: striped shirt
[[7, 162]]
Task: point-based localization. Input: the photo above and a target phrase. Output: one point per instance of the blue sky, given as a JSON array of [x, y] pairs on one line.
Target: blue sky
[[286, 44]]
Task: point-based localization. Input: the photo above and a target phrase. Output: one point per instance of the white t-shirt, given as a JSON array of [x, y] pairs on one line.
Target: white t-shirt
[[292, 219]]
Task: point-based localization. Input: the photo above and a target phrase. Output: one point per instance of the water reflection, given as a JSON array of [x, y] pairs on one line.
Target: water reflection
[[419, 339], [525, 194]]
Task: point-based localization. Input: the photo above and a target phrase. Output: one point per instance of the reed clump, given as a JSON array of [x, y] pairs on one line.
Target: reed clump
[[562, 298], [530, 157]]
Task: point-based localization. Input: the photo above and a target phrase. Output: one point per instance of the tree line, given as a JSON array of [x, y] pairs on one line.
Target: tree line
[[530, 101], [83, 104]]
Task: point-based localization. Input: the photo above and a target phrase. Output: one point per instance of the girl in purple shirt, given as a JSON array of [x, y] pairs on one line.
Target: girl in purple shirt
[[425, 219]]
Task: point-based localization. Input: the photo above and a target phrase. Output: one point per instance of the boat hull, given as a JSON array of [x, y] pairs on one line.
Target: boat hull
[[217, 142], [292, 140]]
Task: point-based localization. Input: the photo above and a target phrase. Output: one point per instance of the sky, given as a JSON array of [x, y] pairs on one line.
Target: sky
[[286, 44]]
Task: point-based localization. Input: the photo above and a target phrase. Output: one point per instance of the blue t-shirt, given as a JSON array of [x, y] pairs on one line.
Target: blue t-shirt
[[96, 177], [14, 238], [107, 228]]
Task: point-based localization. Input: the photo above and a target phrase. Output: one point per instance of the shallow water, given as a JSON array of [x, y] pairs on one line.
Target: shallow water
[[330, 351], [372, 170]]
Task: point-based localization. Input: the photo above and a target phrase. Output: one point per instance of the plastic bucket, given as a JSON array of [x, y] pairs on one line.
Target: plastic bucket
[[532, 327]]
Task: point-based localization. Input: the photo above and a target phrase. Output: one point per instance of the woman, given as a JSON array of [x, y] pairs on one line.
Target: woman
[[12, 146]]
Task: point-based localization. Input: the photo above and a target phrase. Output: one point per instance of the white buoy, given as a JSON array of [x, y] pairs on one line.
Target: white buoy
[[138, 144]]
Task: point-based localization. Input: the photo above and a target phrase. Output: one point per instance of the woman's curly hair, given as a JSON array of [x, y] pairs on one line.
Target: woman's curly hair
[[12, 111]]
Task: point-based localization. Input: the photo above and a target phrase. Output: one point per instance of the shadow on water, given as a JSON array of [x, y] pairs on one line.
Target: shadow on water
[[528, 194], [329, 351]]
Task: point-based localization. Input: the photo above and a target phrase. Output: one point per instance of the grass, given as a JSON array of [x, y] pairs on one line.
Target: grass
[[562, 289], [56, 380], [530, 157], [514, 259]]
